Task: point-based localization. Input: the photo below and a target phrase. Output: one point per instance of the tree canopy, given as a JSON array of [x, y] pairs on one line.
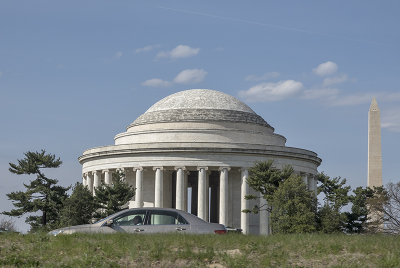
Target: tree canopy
[[294, 207], [42, 194], [78, 208], [291, 204], [115, 197]]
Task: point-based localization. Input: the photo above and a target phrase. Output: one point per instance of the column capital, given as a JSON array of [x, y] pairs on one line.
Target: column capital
[[105, 170], [205, 168], [183, 168], [95, 172], [244, 169], [222, 168], [160, 168], [85, 174], [137, 168]]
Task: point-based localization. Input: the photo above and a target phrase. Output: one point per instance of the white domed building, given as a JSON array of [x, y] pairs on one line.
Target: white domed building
[[192, 151]]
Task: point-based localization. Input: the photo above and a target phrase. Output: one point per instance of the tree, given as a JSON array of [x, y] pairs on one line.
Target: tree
[[385, 209], [7, 225], [330, 216], [78, 207], [113, 198], [291, 204], [42, 194], [358, 215], [294, 207], [266, 179]]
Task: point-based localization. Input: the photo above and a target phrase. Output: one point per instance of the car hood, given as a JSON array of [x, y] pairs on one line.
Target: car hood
[[72, 229]]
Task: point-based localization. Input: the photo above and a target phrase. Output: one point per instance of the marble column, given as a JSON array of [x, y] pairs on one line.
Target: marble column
[[89, 179], [96, 180], [107, 176], [180, 188], [305, 179], [244, 217], [310, 182], [223, 196], [139, 187], [84, 180], [207, 197], [158, 198], [185, 187], [201, 196], [264, 217], [315, 185]]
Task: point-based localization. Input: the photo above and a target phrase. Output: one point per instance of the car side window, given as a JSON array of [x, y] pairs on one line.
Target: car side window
[[130, 219], [166, 217]]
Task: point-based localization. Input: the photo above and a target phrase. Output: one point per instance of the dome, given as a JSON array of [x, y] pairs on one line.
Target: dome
[[199, 105], [200, 99]]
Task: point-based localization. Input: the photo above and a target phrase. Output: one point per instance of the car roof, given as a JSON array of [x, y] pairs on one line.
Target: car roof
[[192, 218]]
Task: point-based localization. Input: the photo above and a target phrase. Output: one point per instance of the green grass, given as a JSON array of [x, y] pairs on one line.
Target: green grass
[[167, 250]]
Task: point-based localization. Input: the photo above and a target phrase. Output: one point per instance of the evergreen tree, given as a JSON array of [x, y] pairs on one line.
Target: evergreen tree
[[336, 196], [291, 204], [358, 216], [115, 197], [42, 194], [266, 179], [78, 207], [294, 207]]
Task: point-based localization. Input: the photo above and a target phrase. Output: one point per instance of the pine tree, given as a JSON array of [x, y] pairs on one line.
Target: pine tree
[[78, 207], [294, 207], [41, 195], [115, 197], [336, 196]]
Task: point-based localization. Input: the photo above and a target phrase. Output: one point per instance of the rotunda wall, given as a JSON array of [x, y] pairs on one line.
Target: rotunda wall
[[300, 162], [197, 133]]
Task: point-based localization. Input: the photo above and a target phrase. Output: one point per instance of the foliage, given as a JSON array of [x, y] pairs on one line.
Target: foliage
[[294, 207], [42, 194], [385, 208], [266, 179], [291, 204], [358, 216], [78, 207], [113, 198], [8, 225], [336, 196]]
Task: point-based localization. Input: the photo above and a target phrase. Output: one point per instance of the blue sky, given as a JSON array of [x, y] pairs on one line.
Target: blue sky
[[73, 74]]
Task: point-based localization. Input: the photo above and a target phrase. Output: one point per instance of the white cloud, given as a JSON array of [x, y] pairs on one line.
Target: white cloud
[[118, 55], [181, 51], [272, 91], [146, 48], [391, 120], [324, 93], [190, 76], [335, 80], [156, 82], [326, 68], [349, 100], [363, 98], [265, 76]]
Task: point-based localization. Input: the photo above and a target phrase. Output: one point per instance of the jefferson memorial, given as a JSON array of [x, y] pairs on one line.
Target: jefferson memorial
[[192, 151]]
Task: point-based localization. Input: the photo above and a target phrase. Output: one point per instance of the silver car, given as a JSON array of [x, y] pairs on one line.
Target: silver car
[[147, 220]]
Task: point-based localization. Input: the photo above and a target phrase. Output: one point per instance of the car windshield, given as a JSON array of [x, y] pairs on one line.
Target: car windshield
[[106, 218]]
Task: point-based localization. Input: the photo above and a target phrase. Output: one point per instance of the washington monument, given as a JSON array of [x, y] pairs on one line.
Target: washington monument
[[374, 146]]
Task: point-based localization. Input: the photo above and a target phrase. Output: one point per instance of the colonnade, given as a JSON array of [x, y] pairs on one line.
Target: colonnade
[[93, 180]]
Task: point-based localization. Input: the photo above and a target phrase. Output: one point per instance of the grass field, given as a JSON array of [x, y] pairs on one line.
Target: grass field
[[167, 250]]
